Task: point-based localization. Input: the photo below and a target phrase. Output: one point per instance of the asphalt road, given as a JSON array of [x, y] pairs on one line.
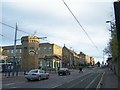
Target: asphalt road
[[88, 79]]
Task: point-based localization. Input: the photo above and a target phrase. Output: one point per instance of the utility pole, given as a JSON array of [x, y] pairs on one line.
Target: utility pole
[[117, 21], [14, 52], [103, 57]]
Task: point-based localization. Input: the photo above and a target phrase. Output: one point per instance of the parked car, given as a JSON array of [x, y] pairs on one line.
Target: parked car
[[63, 71], [36, 74]]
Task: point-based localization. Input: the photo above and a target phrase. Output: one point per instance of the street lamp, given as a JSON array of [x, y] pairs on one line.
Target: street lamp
[[110, 23], [110, 26]]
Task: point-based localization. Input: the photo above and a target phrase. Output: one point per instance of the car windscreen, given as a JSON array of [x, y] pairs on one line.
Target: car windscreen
[[41, 71], [63, 69], [33, 71]]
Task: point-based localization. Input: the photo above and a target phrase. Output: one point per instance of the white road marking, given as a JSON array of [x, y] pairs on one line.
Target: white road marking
[[92, 81], [98, 86], [8, 84], [13, 87], [57, 85], [80, 81]]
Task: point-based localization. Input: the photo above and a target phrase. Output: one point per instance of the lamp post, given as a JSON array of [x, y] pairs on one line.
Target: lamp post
[[103, 57], [110, 25], [117, 22], [14, 53]]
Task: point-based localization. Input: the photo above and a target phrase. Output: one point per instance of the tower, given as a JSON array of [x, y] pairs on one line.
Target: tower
[[30, 45]]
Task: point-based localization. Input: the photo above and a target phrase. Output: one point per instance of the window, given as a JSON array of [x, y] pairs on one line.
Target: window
[[44, 50], [31, 47], [20, 50], [38, 49], [16, 50], [34, 71], [25, 47], [7, 51], [50, 50], [11, 51], [41, 71]]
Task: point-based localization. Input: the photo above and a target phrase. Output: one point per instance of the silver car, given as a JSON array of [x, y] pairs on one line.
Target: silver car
[[36, 74]]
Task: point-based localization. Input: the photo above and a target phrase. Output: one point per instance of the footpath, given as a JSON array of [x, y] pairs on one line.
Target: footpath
[[109, 81]]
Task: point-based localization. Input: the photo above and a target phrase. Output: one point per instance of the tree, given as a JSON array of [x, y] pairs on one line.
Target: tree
[[112, 47], [108, 50], [98, 64]]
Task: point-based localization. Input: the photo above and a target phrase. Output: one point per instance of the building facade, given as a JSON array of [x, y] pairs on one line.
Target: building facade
[[7, 51], [70, 58], [30, 47], [32, 54], [92, 62], [87, 59], [50, 56]]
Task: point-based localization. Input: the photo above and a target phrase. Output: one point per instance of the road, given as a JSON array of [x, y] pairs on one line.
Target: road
[[88, 79]]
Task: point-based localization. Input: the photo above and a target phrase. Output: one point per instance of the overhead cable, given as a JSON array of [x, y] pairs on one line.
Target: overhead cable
[[13, 27], [81, 26]]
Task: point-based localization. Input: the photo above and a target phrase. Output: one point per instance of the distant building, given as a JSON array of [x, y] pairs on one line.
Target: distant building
[[82, 58], [87, 59], [7, 51], [32, 54], [26, 53], [92, 62], [69, 57], [50, 56]]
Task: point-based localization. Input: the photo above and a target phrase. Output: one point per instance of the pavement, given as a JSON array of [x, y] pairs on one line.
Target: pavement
[[109, 81]]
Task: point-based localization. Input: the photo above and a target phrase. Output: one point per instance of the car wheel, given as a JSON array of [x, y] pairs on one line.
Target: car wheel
[[47, 77], [69, 73], [39, 78], [28, 79]]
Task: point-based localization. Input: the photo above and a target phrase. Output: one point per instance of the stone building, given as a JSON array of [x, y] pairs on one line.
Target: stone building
[[32, 54], [30, 47], [92, 62], [70, 58], [8, 52], [50, 56], [82, 58]]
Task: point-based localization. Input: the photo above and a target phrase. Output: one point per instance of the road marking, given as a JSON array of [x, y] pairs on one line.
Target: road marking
[[13, 87], [57, 85], [80, 80], [98, 86], [92, 81], [8, 84]]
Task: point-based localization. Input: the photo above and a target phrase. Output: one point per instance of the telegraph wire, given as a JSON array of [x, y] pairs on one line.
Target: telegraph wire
[[43, 38], [5, 37], [81, 25], [1, 35], [13, 27]]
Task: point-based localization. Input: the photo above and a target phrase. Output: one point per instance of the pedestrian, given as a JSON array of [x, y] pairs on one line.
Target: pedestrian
[[9, 69], [80, 69], [39, 67]]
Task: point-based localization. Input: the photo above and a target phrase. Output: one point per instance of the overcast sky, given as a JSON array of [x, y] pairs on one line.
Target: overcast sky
[[52, 19]]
